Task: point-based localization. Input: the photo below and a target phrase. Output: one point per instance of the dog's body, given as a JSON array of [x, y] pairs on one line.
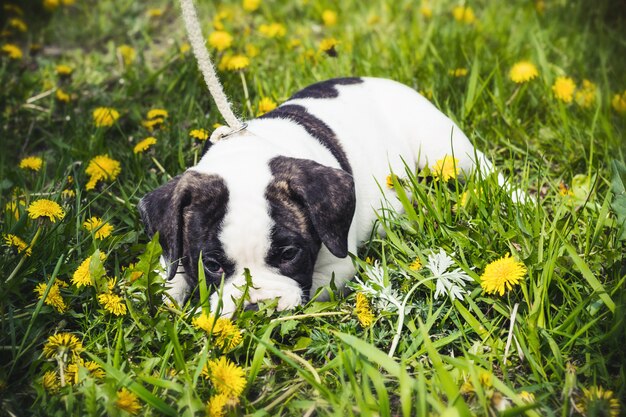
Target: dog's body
[[291, 195]]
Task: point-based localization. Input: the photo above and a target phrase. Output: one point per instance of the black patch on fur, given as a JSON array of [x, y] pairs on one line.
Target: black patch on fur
[[314, 127], [207, 146], [311, 201], [325, 89], [187, 212]]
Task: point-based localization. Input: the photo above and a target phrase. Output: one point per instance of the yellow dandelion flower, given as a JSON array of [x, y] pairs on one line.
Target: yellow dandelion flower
[[102, 167], [33, 163], [157, 113], [237, 63], [485, 379], [184, 48], [266, 104], [251, 5], [458, 72], [68, 193], [62, 96], [363, 310], [105, 116], [82, 275], [127, 53], [14, 207], [618, 102], [329, 17], [426, 10], [501, 275], [99, 228], [252, 50], [144, 145], [294, 43], [416, 265], [154, 12], [220, 40], [527, 397], [113, 303], [54, 297], [523, 71], [597, 401], [17, 24], [216, 405], [12, 51], [127, 401], [225, 333], [150, 125], [464, 14], [62, 344], [50, 382], [446, 168], [226, 377], [200, 134], [389, 180], [17, 243], [50, 4], [586, 95], [273, 30], [45, 208], [563, 89], [328, 45], [94, 369]]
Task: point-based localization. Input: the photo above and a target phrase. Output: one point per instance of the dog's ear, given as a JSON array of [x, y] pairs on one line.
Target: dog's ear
[[327, 194], [163, 211]]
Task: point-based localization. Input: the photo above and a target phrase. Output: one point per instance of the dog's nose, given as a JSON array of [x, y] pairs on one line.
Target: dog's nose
[[252, 307]]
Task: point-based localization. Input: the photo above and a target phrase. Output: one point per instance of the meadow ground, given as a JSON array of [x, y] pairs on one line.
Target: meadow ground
[[469, 305]]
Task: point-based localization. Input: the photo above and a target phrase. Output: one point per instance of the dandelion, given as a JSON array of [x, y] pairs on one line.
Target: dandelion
[[33, 163], [389, 181], [327, 45], [329, 17], [237, 62], [226, 377], [144, 145], [226, 334], [54, 297], [251, 5], [17, 243], [17, 24], [563, 89], [446, 168], [68, 193], [266, 104], [154, 12], [586, 95], [45, 208], [618, 102], [50, 382], [527, 397], [113, 303], [596, 401], [50, 5], [82, 275], [452, 282], [12, 51], [363, 310], [150, 125], [157, 113], [94, 369], [501, 275], [127, 53], [127, 401], [62, 96], [102, 167], [184, 48], [200, 134], [485, 379], [273, 30], [14, 207], [464, 14], [62, 344], [216, 404], [105, 116], [100, 229], [458, 72], [416, 265], [220, 40], [523, 71], [252, 50]]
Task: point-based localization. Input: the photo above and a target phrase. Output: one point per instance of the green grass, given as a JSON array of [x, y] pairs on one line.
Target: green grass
[[461, 357]]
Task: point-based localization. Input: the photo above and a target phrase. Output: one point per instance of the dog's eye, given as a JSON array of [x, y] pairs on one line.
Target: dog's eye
[[213, 267], [289, 254]]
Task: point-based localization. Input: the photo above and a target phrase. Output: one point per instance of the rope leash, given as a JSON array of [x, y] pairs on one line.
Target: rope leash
[[194, 32]]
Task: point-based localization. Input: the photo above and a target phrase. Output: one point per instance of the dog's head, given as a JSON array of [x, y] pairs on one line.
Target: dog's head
[[272, 223]]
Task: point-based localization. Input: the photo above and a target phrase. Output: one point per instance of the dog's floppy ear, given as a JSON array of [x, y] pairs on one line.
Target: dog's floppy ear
[[163, 209], [327, 194]]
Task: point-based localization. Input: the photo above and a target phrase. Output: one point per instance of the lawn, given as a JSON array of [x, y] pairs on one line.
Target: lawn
[[102, 101]]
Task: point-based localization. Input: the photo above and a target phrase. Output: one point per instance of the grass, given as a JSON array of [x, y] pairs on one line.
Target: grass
[[558, 335]]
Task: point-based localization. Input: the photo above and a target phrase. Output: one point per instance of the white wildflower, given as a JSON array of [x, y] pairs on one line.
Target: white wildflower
[[451, 283], [378, 287]]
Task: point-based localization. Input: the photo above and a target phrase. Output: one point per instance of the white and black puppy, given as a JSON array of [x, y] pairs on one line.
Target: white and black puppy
[[290, 196]]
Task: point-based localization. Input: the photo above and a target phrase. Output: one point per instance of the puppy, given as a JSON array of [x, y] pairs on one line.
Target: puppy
[[297, 191]]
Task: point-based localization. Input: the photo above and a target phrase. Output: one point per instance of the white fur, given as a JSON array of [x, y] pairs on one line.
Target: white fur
[[381, 125]]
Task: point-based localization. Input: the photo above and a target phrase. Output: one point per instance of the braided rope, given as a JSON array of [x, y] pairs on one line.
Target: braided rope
[[194, 32]]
